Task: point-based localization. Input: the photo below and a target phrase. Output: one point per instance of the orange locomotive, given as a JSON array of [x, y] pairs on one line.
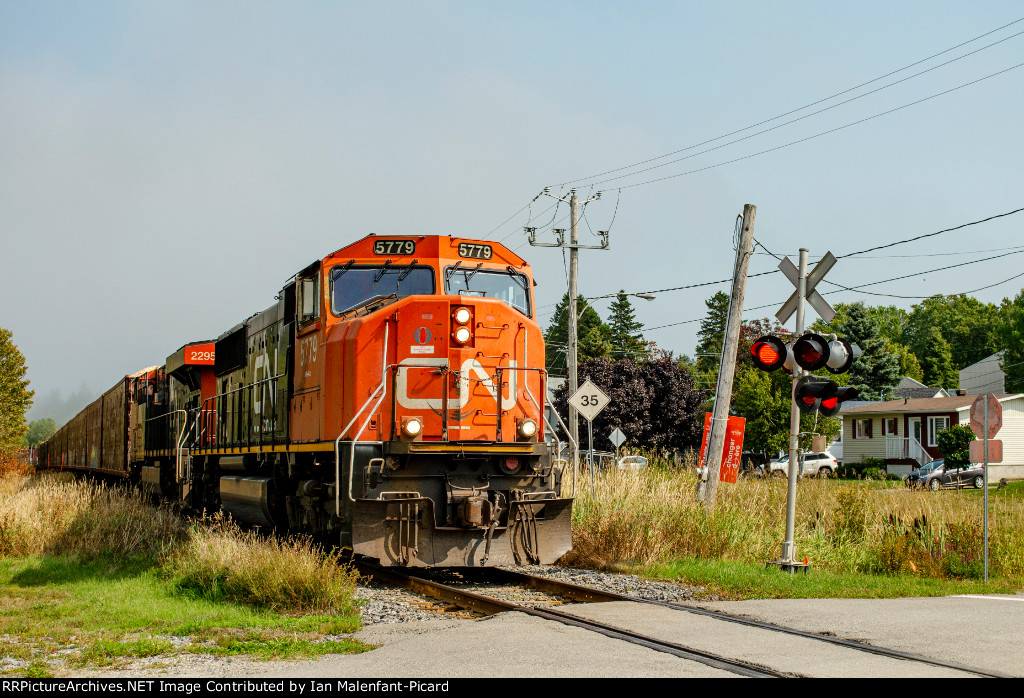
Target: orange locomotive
[[391, 401]]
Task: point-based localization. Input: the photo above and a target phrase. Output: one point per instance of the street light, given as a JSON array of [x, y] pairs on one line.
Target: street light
[[645, 296]]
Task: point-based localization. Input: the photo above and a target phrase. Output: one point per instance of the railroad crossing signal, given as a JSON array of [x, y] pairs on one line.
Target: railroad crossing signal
[[811, 352], [589, 400], [813, 297]]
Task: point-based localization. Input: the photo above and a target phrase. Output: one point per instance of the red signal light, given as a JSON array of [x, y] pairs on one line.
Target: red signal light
[[769, 353], [811, 351]]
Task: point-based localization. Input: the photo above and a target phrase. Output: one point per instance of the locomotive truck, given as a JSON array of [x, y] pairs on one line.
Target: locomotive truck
[[391, 401]]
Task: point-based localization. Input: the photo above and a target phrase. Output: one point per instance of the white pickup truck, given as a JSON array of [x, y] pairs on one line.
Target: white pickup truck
[[815, 465]]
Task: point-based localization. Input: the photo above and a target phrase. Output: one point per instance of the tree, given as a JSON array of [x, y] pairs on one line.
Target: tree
[[15, 397], [654, 401], [955, 445], [39, 430], [1010, 333], [593, 335], [711, 335], [967, 325], [626, 336], [877, 372], [936, 357]]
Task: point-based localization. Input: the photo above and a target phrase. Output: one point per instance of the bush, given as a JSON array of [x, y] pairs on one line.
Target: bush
[[219, 561]]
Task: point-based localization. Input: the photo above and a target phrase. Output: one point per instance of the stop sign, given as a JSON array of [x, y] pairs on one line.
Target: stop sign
[[995, 416]]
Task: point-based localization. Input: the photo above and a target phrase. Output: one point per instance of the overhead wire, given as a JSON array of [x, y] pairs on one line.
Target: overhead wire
[[807, 106]]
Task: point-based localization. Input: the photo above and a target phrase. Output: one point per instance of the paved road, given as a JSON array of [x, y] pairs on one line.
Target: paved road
[[980, 631]]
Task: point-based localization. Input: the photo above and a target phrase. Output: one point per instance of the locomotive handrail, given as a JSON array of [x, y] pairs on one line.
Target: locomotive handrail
[[382, 389], [251, 387]]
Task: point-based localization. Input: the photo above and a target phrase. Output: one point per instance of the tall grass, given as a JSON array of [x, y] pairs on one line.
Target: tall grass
[[221, 562], [652, 517], [56, 515]]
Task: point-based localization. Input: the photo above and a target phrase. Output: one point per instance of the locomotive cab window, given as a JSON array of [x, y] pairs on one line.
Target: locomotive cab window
[[352, 287], [308, 304], [509, 285]]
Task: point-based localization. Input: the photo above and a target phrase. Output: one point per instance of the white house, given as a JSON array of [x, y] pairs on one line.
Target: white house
[[986, 376], [903, 432]]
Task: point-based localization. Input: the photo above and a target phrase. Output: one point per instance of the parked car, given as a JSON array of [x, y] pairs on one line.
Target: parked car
[[631, 463], [916, 476], [940, 477], [815, 465]]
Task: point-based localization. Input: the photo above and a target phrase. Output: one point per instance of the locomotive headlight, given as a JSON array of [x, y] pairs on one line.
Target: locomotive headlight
[[527, 428], [412, 427], [462, 335], [462, 315]]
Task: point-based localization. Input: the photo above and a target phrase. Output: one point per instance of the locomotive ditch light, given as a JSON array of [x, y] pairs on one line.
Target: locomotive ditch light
[[769, 353], [841, 355], [811, 351], [412, 427], [810, 393], [830, 406], [526, 428], [462, 315]]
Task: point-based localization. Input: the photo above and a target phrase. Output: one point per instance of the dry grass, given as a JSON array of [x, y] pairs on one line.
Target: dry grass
[[58, 515], [843, 526], [220, 561]]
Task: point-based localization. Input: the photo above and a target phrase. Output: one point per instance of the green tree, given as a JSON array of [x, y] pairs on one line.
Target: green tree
[[909, 365], [955, 445], [39, 430], [15, 397], [626, 336], [711, 337], [967, 325], [936, 357], [1010, 333], [877, 372], [593, 335]]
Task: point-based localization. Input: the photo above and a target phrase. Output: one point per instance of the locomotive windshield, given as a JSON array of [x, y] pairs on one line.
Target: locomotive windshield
[[509, 286], [354, 286]]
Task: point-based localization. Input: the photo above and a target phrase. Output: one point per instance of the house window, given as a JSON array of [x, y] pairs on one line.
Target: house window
[[889, 427], [935, 425], [862, 428]]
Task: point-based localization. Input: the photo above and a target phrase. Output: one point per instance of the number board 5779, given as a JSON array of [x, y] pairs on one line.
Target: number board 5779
[[589, 400]]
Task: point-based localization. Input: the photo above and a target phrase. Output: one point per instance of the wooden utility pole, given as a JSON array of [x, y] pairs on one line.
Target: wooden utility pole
[[571, 352], [727, 364]]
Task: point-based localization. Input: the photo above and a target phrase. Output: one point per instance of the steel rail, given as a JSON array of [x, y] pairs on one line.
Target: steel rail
[[577, 591], [490, 606]]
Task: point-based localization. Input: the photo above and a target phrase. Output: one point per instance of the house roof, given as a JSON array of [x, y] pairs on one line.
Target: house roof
[[935, 404], [911, 388]]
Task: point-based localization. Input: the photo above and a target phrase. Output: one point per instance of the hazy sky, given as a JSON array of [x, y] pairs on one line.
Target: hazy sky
[[165, 167]]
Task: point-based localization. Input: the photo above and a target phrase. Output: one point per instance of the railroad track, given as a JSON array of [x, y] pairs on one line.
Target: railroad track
[[415, 581]]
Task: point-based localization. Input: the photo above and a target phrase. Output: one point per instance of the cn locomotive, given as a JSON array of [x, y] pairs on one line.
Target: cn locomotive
[[392, 401]]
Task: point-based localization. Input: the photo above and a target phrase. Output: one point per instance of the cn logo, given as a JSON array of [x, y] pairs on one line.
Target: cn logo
[[472, 370]]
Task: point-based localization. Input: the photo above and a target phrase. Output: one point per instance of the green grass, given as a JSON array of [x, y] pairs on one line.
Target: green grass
[[736, 580], [102, 613]]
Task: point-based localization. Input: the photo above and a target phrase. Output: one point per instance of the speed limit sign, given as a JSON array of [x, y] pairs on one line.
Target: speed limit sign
[[589, 400]]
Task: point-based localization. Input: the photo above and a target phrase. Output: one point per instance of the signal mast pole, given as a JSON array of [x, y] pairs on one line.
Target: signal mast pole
[[789, 546]]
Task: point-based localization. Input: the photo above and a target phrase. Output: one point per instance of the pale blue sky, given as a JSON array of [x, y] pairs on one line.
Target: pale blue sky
[[164, 168]]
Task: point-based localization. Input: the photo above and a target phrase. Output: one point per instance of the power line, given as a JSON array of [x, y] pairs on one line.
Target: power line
[[823, 133], [794, 111], [805, 116]]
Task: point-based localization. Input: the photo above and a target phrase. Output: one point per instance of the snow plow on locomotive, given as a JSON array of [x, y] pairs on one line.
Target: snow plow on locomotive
[[391, 401]]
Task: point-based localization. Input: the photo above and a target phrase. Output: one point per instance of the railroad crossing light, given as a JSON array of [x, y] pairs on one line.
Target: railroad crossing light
[[841, 355], [811, 351], [811, 393], [769, 353], [830, 406]]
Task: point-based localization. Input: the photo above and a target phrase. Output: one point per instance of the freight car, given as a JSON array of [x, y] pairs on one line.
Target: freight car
[[390, 401]]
